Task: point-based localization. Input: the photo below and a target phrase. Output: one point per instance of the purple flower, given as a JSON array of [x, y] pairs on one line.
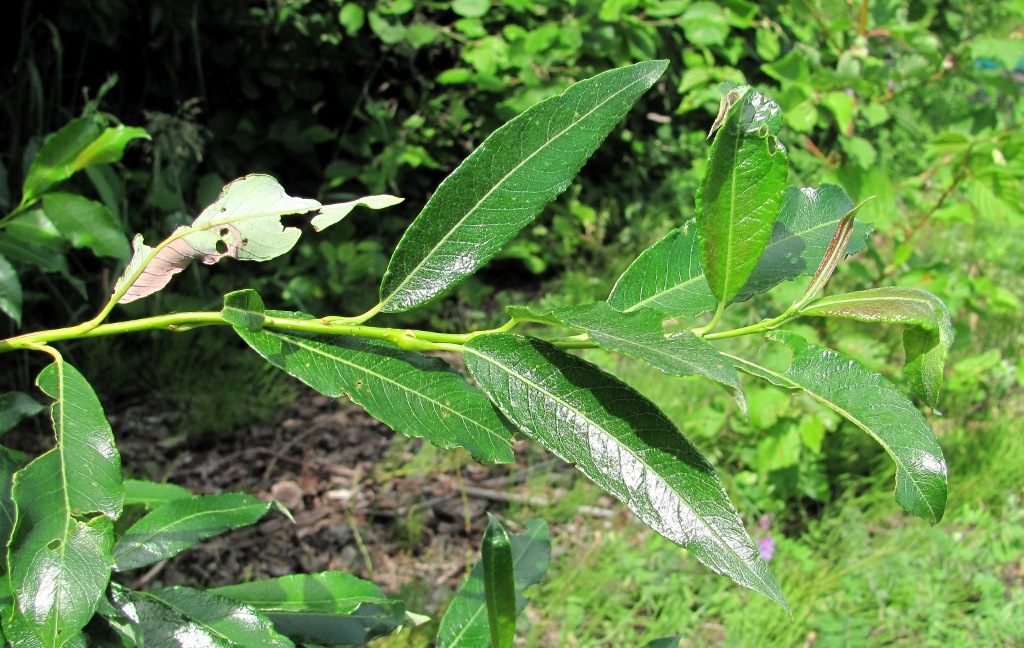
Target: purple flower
[[766, 547]]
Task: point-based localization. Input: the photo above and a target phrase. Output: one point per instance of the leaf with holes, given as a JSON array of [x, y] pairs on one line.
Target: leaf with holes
[[506, 182], [873, 404], [621, 441], [414, 395]]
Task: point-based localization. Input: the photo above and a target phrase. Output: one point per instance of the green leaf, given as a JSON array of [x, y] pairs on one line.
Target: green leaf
[[499, 583], [152, 494], [665, 642], [411, 394], [15, 406], [10, 291], [244, 309], [464, 624], [182, 523], [244, 223], [329, 607], [80, 143], [621, 441], [8, 466], [640, 335], [87, 224], [874, 405], [800, 237], [331, 214], [65, 500], [182, 616], [667, 276], [739, 198], [926, 342], [506, 182]]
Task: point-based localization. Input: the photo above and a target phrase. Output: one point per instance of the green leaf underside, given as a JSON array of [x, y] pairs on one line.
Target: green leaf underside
[[331, 214], [874, 405], [926, 343], [506, 182], [182, 616], [739, 198], [499, 584], [464, 624], [668, 276], [244, 309], [414, 395], [59, 558], [182, 523], [621, 441]]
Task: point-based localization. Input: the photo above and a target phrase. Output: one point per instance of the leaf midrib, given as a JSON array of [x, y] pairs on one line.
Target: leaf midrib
[[139, 545], [444, 239]]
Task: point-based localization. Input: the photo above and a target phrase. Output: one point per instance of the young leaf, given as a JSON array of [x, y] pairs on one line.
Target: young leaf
[[874, 405], [506, 182], [640, 335], [329, 607], [10, 291], [331, 214], [621, 441], [86, 223], [464, 624], [499, 583], [244, 223], [411, 394], [833, 255], [182, 523], [65, 500], [926, 342], [738, 200], [800, 237], [244, 309], [182, 616], [152, 494], [668, 277]]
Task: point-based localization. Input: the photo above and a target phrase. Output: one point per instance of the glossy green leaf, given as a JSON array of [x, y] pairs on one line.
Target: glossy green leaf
[[414, 395], [188, 618], [152, 494], [800, 237], [739, 198], [331, 214], [668, 276], [640, 335], [86, 223], [10, 291], [621, 441], [926, 342], [15, 406], [244, 223], [80, 143], [244, 309], [182, 523], [464, 624], [874, 405], [65, 500], [329, 607], [499, 583], [506, 182], [8, 466]]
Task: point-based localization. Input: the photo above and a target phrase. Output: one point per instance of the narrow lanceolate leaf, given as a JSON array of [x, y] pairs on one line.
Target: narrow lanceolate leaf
[[801, 236], [244, 309], [668, 277], [329, 608], [506, 182], [10, 291], [152, 494], [464, 624], [244, 223], [86, 223], [182, 616], [412, 394], [833, 255], [331, 214], [14, 406], [874, 405], [182, 523], [621, 441], [640, 335], [739, 198], [499, 583], [926, 341], [65, 500]]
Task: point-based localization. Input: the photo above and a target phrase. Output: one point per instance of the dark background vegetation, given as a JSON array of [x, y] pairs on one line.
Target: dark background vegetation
[[916, 105]]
